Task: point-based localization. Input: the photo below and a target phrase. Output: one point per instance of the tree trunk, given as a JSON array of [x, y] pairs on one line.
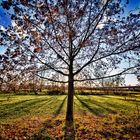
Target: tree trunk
[[69, 132], [69, 113]]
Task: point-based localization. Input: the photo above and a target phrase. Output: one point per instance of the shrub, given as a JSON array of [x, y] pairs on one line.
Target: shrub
[[84, 93], [56, 92]]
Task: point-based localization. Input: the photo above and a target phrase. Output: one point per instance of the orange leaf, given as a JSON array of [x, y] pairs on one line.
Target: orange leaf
[[37, 50]]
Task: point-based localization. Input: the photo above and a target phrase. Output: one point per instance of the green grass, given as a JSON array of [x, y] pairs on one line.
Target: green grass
[[21, 105], [102, 105], [43, 116]]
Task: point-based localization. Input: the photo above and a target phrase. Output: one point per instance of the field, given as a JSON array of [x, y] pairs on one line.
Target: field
[[40, 117]]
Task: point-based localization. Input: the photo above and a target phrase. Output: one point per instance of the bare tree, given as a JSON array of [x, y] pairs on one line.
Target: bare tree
[[66, 37]]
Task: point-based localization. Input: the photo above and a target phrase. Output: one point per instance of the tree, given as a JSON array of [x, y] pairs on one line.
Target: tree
[[68, 38]]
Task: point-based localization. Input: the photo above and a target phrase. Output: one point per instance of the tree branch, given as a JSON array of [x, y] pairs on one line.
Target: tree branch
[[49, 66], [90, 58], [104, 77], [52, 80], [37, 27]]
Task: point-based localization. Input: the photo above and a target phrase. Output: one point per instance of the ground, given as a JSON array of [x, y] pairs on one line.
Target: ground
[[40, 117]]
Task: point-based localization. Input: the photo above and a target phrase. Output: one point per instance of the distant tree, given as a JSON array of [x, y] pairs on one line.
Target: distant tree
[[138, 77], [112, 84], [66, 37], [113, 81]]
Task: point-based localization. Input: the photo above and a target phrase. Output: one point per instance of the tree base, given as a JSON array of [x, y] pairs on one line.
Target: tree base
[[69, 131]]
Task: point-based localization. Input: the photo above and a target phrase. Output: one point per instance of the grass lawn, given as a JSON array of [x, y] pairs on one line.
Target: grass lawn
[[40, 117]]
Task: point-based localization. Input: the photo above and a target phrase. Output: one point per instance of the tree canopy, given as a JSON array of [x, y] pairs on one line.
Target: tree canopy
[[93, 33], [71, 40]]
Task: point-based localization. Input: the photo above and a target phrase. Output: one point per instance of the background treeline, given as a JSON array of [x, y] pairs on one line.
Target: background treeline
[[41, 88]]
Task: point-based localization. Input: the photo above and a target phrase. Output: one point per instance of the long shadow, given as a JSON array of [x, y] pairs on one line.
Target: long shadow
[[23, 107], [42, 135], [57, 112], [82, 111], [130, 100], [101, 106], [119, 106], [69, 132], [3, 100], [49, 124], [96, 111], [9, 105], [88, 107], [5, 109]]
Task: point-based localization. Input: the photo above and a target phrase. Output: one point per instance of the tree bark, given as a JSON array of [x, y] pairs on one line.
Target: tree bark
[[69, 132], [69, 113]]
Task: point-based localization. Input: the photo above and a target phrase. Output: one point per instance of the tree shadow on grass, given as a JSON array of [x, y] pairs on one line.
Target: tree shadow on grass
[[88, 107], [57, 112], [50, 124], [113, 107], [69, 131], [22, 108], [119, 106], [133, 100], [42, 135], [104, 109], [96, 111]]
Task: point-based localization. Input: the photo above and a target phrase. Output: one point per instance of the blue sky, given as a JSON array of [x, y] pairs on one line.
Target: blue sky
[[5, 21], [4, 18], [133, 4]]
